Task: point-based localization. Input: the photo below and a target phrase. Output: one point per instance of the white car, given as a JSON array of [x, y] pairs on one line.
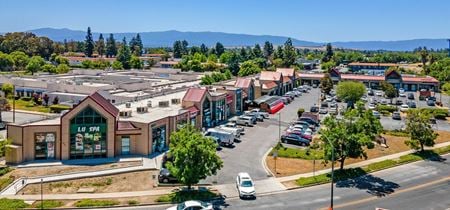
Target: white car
[[402, 94], [372, 106], [379, 93], [404, 108], [244, 185], [189, 205]]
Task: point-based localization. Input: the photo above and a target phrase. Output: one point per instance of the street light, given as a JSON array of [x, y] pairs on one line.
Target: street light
[[332, 172]]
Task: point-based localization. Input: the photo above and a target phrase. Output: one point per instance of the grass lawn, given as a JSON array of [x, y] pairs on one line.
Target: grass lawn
[[48, 204], [295, 161], [28, 106], [95, 203], [6, 203]]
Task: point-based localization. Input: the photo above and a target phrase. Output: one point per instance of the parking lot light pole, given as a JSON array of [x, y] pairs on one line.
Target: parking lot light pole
[[332, 173], [279, 126]]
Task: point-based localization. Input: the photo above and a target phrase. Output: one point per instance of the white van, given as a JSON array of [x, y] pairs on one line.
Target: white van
[[225, 138], [234, 131]]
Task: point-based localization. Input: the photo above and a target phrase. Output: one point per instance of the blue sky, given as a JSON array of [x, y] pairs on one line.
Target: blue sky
[[313, 20]]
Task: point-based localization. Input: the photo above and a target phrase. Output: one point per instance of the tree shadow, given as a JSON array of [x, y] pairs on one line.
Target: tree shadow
[[372, 184]]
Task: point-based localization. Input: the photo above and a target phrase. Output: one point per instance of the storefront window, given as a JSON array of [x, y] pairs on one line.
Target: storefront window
[[219, 111], [159, 139], [238, 101], [44, 146], [125, 145], [206, 114], [88, 132]]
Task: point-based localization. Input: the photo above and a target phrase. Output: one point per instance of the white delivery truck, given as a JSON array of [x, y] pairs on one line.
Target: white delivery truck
[[225, 138]]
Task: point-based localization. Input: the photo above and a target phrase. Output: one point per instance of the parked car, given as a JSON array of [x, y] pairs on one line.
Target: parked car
[[286, 100], [290, 95], [396, 116], [431, 103], [371, 106], [412, 104], [234, 131], [402, 94], [411, 96], [323, 111], [264, 114], [165, 176], [376, 114], [432, 98], [333, 111], [240, 120], [191, 205], [297, 92], [310, 118], [384, 102], [225, 138], [245, 186], [370, 92], [398, 102], [294, 139], [314, 108], [404, 108], [255, 115], [379, 93], [323, 105], [250, 119], [315, 85], [301, 134], [234, 125]]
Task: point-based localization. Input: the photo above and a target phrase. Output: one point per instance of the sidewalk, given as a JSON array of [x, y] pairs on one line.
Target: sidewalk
[[358, 164], [17, 185], [261, 186]]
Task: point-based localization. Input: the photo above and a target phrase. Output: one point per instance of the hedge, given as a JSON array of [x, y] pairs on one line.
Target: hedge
[[95, 203], [436, 112], [386, 108], [57, 108], [25, 98]]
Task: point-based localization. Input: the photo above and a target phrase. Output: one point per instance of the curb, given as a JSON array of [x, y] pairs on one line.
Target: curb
[[264, 163]]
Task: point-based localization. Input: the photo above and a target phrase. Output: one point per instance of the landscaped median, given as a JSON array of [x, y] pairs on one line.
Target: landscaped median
[[356, 172]]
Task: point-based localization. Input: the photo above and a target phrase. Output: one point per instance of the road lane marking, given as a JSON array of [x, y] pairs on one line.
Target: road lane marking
[[360, 201]]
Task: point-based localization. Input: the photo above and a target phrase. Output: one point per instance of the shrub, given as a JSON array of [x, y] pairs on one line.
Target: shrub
[[4, 170], [48, 204], [6, 203], [436, 112], [95, 203], [307, 154], [385, 113], [25, 98], [133, 202], [300, 112], [400, 133], [56, 108], [387, 108], [182, 196], [4, 182]]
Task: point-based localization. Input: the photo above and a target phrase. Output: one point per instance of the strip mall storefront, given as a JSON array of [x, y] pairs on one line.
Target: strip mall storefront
[[90, 130]]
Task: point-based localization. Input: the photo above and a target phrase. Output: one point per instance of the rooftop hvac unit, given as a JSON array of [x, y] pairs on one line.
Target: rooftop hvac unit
[[141, 109], [149, 103], [163, 103], [128, 105], [125, 113], [176, 101]]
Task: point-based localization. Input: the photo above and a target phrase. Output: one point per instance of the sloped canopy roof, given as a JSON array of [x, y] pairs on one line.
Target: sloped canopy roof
[[194, 94], [105, 104], [289, 72], [270, 75]]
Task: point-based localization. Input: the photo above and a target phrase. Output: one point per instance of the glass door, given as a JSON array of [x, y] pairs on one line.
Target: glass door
[[125, 145]]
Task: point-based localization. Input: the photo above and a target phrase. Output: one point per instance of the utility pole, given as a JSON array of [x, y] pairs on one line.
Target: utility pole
[[42, 199], [279, 126], [14, 103]]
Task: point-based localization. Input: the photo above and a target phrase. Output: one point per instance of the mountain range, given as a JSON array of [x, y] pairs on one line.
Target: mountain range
[[167, 38]]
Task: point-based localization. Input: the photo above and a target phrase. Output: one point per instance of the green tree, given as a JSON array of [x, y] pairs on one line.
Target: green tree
[[62, 68], [268, 49], [419, 127], [328, 53], [228, 75], [350, 92], [219, 49], [89, 43], [203, 49], [206, 80], [243, 54], [226, 57], [327, 66], [326, 83], [389, 90], [111, 48], [440, 70], [194, 156], [100, 45], [20, 60], [124, 54], [289, 53], [61, 60], [6, 62], [233, 63], [35, 64], [117, 65], [248, 68], [184, 47], [4, 146], [8, 89], [136, 63], [177, 49], [278, 54], [423, 58], [50, 68], [257, 52], [350, 136]]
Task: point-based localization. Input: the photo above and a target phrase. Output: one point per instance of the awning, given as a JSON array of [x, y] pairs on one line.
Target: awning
[[193, 111], [277, 107]]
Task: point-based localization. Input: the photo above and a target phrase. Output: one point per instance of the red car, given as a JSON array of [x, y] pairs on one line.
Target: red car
[[298, 133]]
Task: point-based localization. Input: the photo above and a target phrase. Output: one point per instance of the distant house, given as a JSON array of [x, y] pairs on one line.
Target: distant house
[[370, 68]]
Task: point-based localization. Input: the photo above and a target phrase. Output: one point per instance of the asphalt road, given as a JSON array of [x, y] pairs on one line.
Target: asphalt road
[[421, 185], [247, 155]]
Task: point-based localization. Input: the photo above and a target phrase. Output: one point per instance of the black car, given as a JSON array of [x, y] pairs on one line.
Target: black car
[[431, 103], [294, 139], [412, 104], [166, 177], [396, 116], [411, 96], [398, 102], [370, 93], [314, 109]]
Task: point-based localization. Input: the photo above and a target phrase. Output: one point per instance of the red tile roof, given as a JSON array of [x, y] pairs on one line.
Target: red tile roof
[[194, 94], [125, 125], [270, 76], [372, 64], [109, 107], [361, 77], [286, 79], [426, 79], [286, 71], [242, 82], [269, 85]]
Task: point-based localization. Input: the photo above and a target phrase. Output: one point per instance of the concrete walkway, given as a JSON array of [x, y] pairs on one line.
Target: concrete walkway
[[17, 185], [261, 187], [358, 164]]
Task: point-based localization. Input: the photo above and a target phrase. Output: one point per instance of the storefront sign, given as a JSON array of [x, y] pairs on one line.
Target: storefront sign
[[84, 134], [44, 145]]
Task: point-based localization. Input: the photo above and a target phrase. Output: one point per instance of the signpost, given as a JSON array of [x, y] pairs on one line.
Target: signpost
[[275, 155]]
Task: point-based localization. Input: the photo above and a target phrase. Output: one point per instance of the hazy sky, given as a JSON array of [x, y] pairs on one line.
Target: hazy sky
[[313, 20]]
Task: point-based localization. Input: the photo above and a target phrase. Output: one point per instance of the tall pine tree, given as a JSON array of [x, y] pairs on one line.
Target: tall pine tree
[[124, 54], [257, 52], [289, 54], [184, 47], [111, 48], [203, 49], [268, 49], [177, 49], [89, 43], [219, 49], [139, 45], [100, 45]]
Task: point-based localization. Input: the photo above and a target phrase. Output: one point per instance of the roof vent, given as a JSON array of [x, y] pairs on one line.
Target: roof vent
[[141, 109], [149, 103], [128, 105], [125, 113], [176, 101]]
